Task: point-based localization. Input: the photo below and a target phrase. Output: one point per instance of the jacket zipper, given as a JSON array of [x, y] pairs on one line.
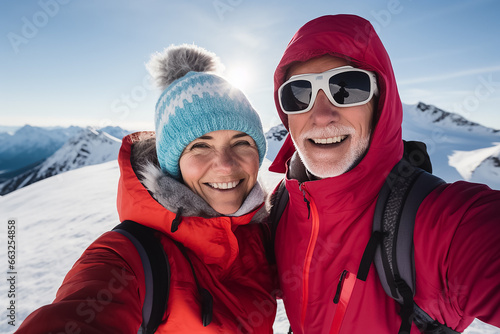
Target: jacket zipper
[[313, 214], [336, 299], [342, 297]]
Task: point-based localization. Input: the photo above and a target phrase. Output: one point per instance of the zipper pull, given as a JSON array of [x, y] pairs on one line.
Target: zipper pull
[[177, 220], [339, 287], [301, 187]]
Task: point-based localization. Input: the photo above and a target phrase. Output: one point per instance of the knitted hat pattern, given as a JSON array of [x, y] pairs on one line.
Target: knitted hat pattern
[[196, 101]]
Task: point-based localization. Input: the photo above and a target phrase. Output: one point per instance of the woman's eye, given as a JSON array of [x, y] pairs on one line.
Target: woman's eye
[[199, 146], [242, 143]]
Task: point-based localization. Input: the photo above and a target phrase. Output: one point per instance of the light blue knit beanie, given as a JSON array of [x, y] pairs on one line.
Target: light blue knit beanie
[[196, 101]]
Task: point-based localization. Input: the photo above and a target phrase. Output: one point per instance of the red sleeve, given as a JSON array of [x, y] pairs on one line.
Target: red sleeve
[[459, 256], [102, 293], [475, 257]]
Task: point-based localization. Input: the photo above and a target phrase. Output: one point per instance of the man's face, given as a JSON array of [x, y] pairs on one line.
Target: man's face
[[330, 140]]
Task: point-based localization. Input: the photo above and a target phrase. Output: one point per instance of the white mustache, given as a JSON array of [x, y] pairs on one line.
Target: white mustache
[[328, 132]]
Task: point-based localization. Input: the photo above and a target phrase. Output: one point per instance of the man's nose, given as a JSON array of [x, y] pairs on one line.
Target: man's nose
[[323, 111]]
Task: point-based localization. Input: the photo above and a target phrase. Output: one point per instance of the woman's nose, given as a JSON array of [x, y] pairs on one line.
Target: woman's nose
[[224, 160]]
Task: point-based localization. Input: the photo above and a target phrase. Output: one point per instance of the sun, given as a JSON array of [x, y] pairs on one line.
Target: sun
[[239, 76]]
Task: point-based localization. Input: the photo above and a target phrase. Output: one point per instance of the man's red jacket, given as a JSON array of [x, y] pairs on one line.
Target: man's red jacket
[[457, 227]]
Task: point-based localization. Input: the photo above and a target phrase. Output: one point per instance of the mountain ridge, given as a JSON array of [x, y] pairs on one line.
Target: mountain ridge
[[456, 147], [88, 147]]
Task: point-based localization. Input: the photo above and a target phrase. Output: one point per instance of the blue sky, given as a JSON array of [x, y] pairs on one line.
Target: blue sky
[[82, 62]]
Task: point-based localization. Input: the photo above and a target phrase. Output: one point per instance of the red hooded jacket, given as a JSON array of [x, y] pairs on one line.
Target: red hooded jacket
[[104, 291], [457, 228]]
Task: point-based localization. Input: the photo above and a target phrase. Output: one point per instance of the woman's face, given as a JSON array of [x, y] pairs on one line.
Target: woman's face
[[221, 167]]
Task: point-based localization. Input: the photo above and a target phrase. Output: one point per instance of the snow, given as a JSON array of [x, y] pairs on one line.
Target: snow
[[468, 162], [57, 218], [446, 134]]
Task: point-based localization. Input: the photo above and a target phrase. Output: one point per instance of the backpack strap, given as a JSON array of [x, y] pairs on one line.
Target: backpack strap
[[393, 223], [279, 201], [156, 272], [399, 199]]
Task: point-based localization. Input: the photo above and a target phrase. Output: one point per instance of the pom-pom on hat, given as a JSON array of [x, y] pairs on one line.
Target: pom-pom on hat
[[196, 101]]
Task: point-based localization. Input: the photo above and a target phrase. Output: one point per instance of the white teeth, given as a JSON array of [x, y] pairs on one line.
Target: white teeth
[[224, 185], [332, 140]]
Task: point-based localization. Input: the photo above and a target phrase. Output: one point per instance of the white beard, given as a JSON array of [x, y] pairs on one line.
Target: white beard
[[322, 166]]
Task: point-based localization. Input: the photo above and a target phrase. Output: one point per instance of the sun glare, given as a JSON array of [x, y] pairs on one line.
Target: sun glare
[[239, 76]]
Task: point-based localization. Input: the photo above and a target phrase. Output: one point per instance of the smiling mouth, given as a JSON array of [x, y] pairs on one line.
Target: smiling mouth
[[327, 141], [224, 185]]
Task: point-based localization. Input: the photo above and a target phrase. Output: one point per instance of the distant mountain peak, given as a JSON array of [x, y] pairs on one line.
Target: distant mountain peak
[[88, 147], [275, 138], [440, 116]]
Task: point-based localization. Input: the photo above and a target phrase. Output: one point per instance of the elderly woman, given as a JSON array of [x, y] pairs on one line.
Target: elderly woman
[[194, 181]]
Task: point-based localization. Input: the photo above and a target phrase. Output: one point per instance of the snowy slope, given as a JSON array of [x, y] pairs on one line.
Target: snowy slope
[[88, 147], [459, 149], [57, 218]]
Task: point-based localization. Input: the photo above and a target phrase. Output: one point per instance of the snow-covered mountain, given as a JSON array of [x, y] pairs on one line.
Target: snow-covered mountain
[[29, 145], [459, 149], [275, 137], [115, 131], [25, 147], [88, 147]]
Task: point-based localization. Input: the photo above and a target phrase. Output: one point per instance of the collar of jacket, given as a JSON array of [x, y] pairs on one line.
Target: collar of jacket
[[202, 230], [347, 192]]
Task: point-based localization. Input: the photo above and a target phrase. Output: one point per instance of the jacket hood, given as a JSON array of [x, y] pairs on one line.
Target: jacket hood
[[156, 202], [354, 39]]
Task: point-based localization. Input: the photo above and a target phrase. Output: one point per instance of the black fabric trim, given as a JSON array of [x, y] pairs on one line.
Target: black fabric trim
[[156, 272]]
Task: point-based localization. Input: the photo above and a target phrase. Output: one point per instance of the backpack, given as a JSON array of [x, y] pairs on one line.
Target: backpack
[[157, 276], [391, 245]]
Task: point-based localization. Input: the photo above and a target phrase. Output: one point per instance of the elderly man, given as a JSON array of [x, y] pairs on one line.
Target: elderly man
[[336, 93]]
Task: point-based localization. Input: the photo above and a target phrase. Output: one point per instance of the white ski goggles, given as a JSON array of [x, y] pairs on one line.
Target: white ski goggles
[[344, 86]]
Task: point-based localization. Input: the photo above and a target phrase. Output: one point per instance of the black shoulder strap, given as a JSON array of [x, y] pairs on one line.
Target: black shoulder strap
[[279, 200], [393, 223], [399, 199], [156, 272]]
